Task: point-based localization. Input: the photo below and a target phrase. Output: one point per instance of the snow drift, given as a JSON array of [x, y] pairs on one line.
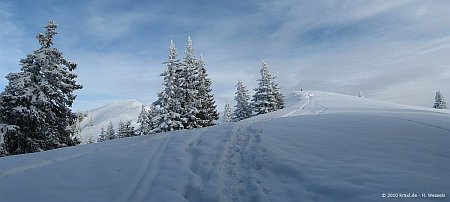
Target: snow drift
[[321, 147]]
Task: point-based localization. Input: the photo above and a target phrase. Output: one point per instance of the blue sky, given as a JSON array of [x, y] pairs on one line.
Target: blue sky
[[396, 51]]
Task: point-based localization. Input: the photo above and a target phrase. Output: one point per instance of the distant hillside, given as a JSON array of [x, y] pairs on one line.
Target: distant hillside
[[115, 112]]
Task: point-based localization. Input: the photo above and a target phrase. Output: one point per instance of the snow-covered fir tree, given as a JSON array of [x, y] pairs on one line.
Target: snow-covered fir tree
[[279, 97], [243, 108], [154, 119], [3, 129], [207, 112], [189, 87], [167, 109], [267, 97], [361, 94], [91, 139], [36, 102], [102, 136], [110, 132], [144, 122], [121, 130], [125, 129], [227, 113], [2, 150], [439, 102]]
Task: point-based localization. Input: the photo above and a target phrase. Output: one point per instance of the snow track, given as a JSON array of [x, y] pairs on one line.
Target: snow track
[[322, 108], [308, 105], [415, 121], [232, 175], [301, 107], [59, 158], [148, 169], [32, 166]]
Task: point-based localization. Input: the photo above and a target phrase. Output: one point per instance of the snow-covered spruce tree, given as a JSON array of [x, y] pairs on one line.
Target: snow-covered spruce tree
[[189, 86], [129, 129], [154, 120], [102, 136], [227, 113], [125, 129], [167, 109], [121, 130], [361, 94], [439, 101], [207, 113], [144, 122], [110, 132], [279, 97], [267, 97], [36, 102], [2, 150], [243, 108]]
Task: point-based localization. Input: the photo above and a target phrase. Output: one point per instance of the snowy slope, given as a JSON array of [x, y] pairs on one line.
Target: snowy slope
[[317, 102], [115, 112], [322, 147]]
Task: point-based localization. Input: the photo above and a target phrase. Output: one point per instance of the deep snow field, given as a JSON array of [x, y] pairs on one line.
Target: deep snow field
[[321, 147]]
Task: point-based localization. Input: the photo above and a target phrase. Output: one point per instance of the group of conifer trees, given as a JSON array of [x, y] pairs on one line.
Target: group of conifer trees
[[186, 102], [267, 98], [125, 129]]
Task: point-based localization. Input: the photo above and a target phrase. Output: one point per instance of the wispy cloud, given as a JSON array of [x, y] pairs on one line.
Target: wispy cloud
[[10, 36], [342, 46], [107, 24]]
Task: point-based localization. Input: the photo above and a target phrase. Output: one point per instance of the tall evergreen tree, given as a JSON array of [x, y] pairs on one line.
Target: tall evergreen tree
[[207, 112], [144, 121], [36, 102], [243, 108], [227, 113], [267, 97], [189, 86], [154, 120], [279, 97], [168, 107], [439, 101]]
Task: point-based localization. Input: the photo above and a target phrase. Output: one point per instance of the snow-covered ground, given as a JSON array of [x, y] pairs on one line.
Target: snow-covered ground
[[321, 147]]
